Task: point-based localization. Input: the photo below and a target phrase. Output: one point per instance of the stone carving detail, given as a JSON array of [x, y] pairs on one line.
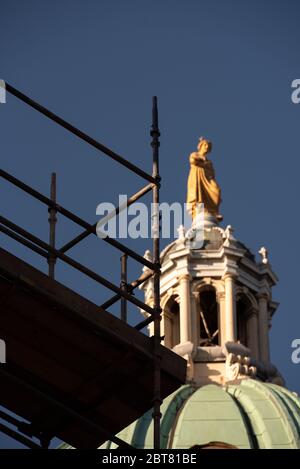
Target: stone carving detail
[[191, 233], [264, 255], [148, 257], [228, 233], [238, 361], [181, 232], [237, 366], [148, 290]]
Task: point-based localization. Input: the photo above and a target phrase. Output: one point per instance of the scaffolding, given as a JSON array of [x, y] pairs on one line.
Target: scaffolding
[[123, 292]]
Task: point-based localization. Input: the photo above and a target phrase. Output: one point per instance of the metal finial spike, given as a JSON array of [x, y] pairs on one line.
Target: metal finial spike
[[154, 114]]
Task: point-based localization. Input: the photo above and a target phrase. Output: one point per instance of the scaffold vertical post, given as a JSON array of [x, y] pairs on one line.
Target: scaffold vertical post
[[156, 280], [124, 287], [52, 222]]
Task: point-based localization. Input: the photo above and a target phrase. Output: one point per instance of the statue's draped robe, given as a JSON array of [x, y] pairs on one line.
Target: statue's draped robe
[[202, 187]]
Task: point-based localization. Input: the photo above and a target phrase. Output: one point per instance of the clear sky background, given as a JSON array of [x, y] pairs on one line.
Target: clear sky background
[[220, 68]]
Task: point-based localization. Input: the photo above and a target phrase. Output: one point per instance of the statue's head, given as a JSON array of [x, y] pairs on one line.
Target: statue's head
[[204, 146]]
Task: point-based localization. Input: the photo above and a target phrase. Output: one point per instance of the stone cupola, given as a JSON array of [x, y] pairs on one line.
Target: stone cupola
[[217, 306]]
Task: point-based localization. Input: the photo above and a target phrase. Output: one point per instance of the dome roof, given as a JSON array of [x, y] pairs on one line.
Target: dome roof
[[248, 415]]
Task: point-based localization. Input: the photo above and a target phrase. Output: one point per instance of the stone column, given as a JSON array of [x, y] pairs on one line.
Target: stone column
[[263, 322], [222, 317], [162, 327], [230, 308], [185, 308], [194, 318], [252, 332], [166, 326]]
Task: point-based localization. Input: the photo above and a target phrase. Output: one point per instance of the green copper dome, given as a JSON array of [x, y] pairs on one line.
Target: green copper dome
[[248, 415]]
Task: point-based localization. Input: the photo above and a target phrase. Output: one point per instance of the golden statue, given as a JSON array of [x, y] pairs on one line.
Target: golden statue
[[202, 187]]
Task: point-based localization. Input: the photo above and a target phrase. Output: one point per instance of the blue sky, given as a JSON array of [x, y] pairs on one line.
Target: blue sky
[[220, 68]]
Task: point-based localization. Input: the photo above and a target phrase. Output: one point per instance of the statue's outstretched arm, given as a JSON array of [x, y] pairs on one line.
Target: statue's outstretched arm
[[194, 159]]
